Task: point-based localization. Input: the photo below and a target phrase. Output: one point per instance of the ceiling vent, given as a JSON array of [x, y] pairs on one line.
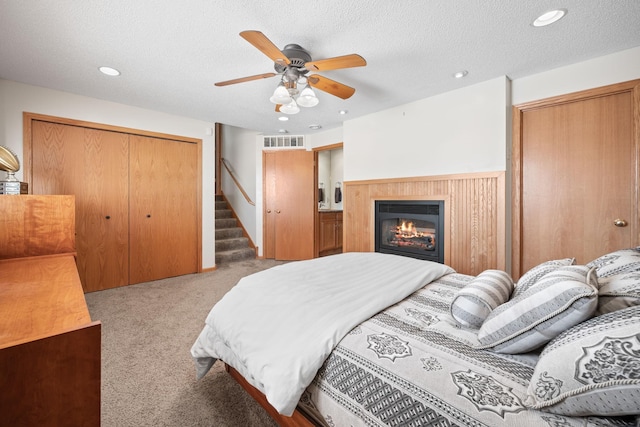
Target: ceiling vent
[[281, 141]]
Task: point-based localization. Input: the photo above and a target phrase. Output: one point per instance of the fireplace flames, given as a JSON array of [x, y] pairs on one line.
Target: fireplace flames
[[406, 234]]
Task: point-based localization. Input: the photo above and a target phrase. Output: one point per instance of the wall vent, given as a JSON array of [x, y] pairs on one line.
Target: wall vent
[[280, 141]]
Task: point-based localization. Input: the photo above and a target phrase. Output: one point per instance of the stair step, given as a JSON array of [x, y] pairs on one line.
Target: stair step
[[228, 233], [224, 213], [226, 223], [229, 244], [234, 255]]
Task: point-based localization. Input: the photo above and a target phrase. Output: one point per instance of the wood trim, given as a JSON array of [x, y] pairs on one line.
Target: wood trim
[[104, 126], [295, 420], [475, 215], [430, 178], [581, 95], [218, 164], [328, 147], [27, 123], [516, 158]]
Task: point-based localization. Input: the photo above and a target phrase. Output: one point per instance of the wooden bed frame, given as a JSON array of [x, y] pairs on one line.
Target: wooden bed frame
[[298, 419]]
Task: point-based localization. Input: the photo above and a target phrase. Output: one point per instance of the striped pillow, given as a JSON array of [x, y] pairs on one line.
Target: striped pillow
[[558, 301], [530, 278], [619, 279], [473, 303]]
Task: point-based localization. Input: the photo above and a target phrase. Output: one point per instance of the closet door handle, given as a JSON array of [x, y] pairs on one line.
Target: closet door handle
[[108, 217], [268, 210], [148, 215], [277, 210], [620, 222]]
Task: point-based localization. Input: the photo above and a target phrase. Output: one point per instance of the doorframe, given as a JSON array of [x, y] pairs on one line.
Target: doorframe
[[518, 111], [316, 220], [27, 147]]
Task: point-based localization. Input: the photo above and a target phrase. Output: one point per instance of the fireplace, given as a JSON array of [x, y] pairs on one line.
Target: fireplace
[[411, 228]]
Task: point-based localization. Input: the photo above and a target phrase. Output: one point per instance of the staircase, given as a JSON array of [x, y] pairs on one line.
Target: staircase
[[231, 245]]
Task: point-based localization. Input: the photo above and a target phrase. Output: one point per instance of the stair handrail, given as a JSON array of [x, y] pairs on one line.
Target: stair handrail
[[233, 176]]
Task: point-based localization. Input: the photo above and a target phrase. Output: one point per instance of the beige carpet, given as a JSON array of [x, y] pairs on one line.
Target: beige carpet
[[148, 376]]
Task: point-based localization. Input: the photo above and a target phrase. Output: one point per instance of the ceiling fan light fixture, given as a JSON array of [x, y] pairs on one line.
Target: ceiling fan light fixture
[[308, 98], [280, 95], [290, 108]]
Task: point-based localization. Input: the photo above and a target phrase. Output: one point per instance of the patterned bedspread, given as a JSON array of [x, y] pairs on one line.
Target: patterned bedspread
[[410, 365]]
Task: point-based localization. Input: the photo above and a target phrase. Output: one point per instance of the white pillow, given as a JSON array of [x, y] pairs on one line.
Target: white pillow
[[591, 369], [619, 279], [473, 303], [529, 278], [559, 300]]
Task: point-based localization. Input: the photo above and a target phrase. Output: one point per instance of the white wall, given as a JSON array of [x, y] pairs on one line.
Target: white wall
[[602, 71], [461, 131], [238, 149], [321, 139], [16, 98]]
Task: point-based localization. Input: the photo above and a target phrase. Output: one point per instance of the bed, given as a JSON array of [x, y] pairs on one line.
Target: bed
[[370, 339]]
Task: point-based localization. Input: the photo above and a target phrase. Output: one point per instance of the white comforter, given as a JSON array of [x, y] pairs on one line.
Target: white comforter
[[277, 327]]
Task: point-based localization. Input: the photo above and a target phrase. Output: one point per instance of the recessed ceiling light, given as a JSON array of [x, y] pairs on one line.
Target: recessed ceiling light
[[109, 71], [283, 118], [283, 131], [549, 18], [460, 74], [343, 112], [315, 127]]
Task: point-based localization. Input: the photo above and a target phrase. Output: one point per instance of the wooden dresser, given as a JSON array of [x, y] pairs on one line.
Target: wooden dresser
[[49, 347]]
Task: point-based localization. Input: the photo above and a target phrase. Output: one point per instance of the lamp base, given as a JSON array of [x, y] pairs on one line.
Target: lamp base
[[14, 187]]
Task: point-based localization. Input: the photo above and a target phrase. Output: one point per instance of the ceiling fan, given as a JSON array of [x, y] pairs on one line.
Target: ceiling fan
[[294, 63]]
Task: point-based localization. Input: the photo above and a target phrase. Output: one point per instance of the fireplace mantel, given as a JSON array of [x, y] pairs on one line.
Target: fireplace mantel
[[475, 215]]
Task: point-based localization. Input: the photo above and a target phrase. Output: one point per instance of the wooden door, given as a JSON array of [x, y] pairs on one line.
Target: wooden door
[[163, 208], [289, 203], [578, 177], [92, 165]]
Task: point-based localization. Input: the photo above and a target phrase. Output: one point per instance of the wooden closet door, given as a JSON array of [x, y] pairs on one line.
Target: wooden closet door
[[92, 165], [289, 204], [578, 177], [163, 208]]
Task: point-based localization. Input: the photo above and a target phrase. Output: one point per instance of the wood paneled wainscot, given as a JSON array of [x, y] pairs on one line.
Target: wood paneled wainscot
[[474, 215], [49, 346]]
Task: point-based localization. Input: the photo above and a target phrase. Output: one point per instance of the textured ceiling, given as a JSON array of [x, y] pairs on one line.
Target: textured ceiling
[[172, 52]]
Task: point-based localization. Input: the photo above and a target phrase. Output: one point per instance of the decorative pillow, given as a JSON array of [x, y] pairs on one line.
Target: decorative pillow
[[591, 369], [618, 291], [558, 301], [619, 279], [473, 303], [529, 278]]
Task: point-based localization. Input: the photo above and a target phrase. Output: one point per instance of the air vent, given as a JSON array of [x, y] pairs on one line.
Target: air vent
[[279, 141]]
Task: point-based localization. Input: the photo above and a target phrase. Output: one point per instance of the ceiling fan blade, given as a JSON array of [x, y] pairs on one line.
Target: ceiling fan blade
[[246, 79], [346, 61], [266, 46], [330, 86]]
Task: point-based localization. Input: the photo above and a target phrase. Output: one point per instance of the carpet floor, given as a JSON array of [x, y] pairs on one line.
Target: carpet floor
[[148, 375]]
